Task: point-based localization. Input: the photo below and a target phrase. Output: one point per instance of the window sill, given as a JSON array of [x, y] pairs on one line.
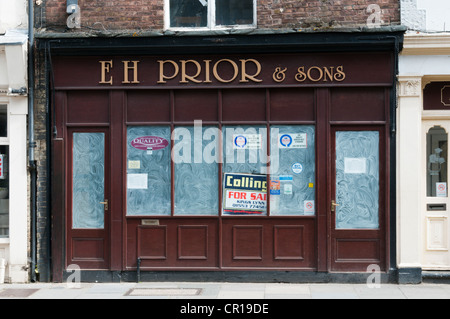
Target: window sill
[[212, 30], [4, 241]]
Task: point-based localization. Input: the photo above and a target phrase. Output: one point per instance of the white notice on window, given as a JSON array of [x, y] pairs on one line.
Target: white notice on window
[[247, 141], [291, 140], [355, 165], [137, 181]]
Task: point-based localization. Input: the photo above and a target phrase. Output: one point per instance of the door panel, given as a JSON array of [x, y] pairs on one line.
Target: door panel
[[435, 211], [88, 204], [358, 202]]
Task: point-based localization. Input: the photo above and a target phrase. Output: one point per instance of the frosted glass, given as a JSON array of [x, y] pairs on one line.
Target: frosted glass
[[246, 156], [357, 180], [296, 185], [88, 180], [196, 173], [148, 173], [437, 158]]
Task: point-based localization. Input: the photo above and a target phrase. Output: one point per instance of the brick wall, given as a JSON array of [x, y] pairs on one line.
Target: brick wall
[[149, 14]]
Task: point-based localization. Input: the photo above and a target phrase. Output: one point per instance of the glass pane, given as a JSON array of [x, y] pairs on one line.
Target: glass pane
[[148, 170], [437, 158], [196, 170], [88, 180], [234, 12], [245, 187], [4, 192], [357, 180], [292, 170], [3, 121], [188, 13]]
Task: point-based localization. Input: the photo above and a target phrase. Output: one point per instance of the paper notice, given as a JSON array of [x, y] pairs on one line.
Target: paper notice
[[137, 181], [355, 165]]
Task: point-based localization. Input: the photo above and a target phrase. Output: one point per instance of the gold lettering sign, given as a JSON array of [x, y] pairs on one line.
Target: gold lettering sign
[[223, 71], [127, 68], [105, 68]]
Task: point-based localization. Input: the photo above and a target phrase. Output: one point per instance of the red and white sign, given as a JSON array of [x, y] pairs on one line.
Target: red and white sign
[[152, 143], [249, 201], [2, 167], [441, 189], [309, 207]]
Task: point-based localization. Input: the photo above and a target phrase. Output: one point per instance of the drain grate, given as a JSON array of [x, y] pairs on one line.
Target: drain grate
[[164, 292], [17, 293]]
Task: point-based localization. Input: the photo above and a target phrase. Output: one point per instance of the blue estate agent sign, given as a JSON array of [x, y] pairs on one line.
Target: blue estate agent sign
[[244, 194]]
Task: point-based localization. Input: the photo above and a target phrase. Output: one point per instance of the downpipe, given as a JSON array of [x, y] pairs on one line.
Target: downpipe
[[31, 142]]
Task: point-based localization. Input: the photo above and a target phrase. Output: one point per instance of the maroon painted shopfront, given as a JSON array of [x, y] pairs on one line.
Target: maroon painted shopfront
[[258, 162]]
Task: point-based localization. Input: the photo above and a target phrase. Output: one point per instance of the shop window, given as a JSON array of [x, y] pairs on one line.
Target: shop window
[[293, 172], [3, 121], [148, 170], [211, 13], [4, 192], [196, 171], [230, 163], [437, 158]]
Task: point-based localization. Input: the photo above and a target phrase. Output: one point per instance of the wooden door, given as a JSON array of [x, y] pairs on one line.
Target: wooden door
[[358, 202], [436, 208], [88, 198]]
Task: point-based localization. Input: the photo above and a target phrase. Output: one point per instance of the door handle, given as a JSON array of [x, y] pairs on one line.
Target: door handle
[[106, 204], [333, 206]]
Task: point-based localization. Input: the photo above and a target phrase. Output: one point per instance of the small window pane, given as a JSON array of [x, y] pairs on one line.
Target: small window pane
[[188, 13], [234, 12], [148, 170], [245, 168], [292, 170], [3, 121], [4, 192], [196, 170], [437, 157]]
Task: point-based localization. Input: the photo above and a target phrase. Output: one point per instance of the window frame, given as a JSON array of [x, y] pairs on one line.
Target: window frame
[[4, 140], [211, 19]]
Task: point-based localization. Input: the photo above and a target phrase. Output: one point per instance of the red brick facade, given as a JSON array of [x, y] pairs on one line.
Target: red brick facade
[[272, 14]]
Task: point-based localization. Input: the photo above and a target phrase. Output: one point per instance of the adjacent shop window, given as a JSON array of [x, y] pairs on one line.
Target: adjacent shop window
[[211, 13], [3, 121], [227, 168], [4, 192], [437, 158]]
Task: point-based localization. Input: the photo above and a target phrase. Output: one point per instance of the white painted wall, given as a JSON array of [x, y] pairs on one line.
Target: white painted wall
[[13, 75], [13, 15]]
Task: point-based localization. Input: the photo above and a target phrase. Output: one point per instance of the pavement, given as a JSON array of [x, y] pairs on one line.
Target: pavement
[[221, 290]]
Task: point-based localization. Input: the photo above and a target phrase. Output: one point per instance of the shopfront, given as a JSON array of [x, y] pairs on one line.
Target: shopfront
[[223, 161]]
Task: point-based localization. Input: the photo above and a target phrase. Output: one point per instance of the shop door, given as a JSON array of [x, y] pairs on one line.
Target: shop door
[[88, 194], [435, 212], [357, 205]]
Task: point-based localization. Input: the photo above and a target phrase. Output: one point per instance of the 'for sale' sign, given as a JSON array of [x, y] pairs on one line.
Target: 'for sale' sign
[[244, 194]]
